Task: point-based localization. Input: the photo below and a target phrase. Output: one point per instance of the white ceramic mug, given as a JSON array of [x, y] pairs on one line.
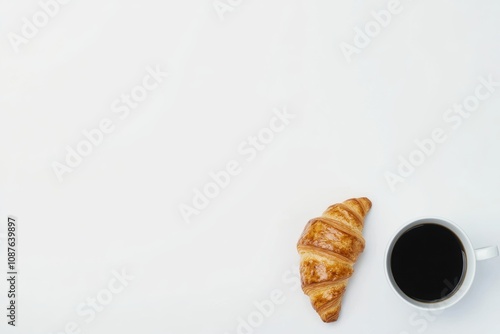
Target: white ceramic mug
[[472, 255]]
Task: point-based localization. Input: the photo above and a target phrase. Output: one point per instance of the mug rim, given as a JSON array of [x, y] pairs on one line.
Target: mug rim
[[466, 280]]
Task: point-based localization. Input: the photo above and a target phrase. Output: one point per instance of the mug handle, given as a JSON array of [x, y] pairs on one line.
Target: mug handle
[[486, 253]]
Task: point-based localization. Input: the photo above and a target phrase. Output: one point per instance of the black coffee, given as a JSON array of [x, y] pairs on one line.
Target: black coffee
[[428, 262]]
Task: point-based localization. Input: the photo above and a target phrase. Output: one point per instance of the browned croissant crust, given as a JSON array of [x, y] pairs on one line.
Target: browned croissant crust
[[328, 248]]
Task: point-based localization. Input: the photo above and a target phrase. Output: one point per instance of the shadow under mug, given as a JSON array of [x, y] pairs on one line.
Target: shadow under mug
[[471, 256]]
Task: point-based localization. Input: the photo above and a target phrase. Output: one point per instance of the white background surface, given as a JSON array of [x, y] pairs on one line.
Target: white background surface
[[120, 207]]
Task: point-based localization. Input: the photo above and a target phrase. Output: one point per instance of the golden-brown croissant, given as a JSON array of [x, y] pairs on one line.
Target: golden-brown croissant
[[328, 248]]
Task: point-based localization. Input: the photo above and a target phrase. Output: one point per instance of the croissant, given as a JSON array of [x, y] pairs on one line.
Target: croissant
[[328, 248]]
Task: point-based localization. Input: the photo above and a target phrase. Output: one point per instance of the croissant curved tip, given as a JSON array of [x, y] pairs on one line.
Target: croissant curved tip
[[365, 202], [332, 318]]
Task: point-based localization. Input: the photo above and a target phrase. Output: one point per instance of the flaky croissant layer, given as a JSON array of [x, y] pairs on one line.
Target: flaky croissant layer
[[328, 248]]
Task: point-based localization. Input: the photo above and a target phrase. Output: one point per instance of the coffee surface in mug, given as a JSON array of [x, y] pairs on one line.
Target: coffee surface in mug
[[428, 262]]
